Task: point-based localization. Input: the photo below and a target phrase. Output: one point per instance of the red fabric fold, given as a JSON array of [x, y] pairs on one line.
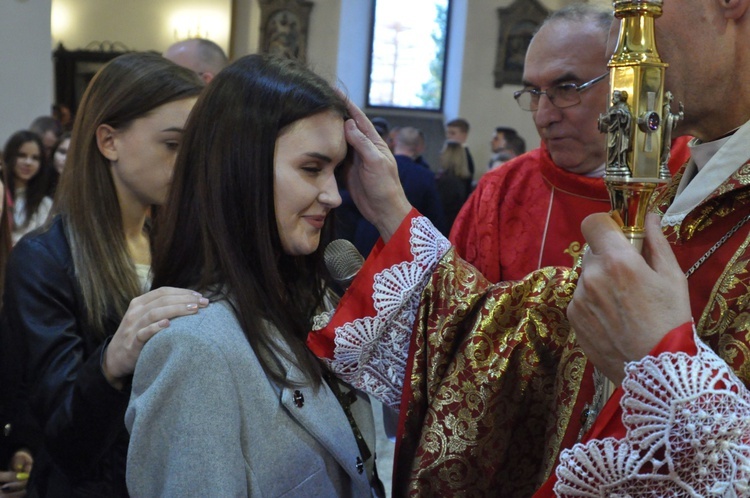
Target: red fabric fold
[[357, 301], [609, 421]]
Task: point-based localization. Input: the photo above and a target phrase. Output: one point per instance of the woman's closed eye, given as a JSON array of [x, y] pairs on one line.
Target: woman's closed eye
[[312, 169]]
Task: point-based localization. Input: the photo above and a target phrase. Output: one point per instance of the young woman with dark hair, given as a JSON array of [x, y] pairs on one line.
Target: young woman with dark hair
[[27, 177], [76, 303], [58, 155], [5, 235], [230, 402], [60, 152], [19, 432]]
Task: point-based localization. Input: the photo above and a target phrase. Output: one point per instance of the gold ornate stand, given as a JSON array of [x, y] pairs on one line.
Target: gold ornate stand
[[639, 124], [639, 121]]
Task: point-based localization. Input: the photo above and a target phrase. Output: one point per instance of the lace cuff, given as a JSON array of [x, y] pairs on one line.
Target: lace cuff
[[366, 342], [687, 422]]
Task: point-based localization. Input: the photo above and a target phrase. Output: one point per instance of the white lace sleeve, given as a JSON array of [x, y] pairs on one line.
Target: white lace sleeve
[[687, 421], [371, 352]]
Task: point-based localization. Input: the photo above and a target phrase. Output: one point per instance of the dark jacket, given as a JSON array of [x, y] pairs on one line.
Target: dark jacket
[[453, 194], [85, 440], [420, 188], [18, 426]]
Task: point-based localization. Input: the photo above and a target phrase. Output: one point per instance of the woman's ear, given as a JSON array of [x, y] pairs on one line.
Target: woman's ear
[[105, 140], [734, 9]]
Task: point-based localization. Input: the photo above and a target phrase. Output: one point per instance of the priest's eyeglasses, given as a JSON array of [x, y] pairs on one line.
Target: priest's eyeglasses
[[562, 95]]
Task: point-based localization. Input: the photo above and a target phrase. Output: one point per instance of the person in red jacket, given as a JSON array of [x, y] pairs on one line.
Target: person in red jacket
[[527, 214]]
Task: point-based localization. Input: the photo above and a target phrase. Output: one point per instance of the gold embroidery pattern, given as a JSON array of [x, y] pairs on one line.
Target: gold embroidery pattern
[[718, 206], [574, 250], [498, 397], [496, 381], [725, 323]]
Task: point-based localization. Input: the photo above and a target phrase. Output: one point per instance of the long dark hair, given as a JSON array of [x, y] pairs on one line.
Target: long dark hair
[[5, 237], [37, 187], [218, 230], [127, 88]]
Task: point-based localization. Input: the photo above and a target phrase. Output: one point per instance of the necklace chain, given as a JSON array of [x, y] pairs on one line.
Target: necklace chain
[[591, 410], [718, 244]]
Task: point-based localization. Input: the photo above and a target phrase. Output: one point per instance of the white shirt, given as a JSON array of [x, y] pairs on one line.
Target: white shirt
[[19, 215], [710, 165]]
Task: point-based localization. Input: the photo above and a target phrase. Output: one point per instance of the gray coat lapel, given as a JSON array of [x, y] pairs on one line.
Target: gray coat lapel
[[322, 416]]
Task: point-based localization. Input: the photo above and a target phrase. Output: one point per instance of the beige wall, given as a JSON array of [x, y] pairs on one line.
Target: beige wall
[[139, 24], [26, 75], [322, 36], [483, 105], [154, 25]]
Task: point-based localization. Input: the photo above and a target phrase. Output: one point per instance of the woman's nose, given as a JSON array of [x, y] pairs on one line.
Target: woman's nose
[[329, 194]]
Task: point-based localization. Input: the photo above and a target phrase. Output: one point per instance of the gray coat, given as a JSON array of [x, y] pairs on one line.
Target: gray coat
[[205, 420]]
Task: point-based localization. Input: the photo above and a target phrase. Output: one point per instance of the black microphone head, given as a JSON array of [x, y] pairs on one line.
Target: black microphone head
[[343, 261]]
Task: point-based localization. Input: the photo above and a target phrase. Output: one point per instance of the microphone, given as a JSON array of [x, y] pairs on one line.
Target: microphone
[[343, 261]]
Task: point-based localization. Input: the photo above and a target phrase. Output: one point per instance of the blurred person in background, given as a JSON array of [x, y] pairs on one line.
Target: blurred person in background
[[59, 155], [451, 180], [506, 144], [27, 178], [49, 130], [19, 434], [204, 57], [76, 308]]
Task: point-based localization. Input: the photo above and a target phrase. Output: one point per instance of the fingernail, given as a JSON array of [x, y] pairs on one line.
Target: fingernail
[[192, 306], [197, 294], [22, 476], [203, 301], [163, 323]]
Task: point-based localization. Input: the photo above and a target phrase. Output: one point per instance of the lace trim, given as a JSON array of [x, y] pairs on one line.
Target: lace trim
[[370, 353], [321, 320], [673, 220], [688, 434]]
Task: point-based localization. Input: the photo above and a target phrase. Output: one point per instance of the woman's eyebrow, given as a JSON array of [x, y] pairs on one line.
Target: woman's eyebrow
[[318, 155]]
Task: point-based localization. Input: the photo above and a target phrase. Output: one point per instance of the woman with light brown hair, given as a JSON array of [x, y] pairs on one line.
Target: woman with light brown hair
[[76, 300], [452, 180]]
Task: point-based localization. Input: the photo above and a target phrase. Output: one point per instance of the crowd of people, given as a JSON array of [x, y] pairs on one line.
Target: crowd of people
[[169, 326]]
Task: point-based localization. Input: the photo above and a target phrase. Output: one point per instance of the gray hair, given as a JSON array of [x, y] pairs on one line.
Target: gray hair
[[583, 12]]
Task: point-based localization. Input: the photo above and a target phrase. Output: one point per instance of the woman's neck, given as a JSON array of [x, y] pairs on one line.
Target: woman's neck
[[136, 238]]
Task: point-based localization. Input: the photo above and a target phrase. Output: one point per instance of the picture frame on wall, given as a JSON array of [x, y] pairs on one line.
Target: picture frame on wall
[[518, 23], [75, 68], [284, 26]]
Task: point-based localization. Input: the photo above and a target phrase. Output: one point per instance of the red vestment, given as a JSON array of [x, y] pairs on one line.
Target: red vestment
[[527, 214], [524, 215], [678, 426], [494, 384]]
